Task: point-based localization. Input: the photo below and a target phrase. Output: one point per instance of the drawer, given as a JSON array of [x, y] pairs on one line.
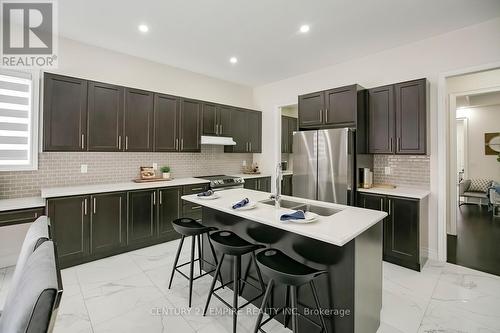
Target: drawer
[[192, 210], [193, 189], [20, 216]]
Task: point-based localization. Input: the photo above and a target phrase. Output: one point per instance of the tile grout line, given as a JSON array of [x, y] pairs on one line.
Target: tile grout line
[[83, 299], [432, 295]]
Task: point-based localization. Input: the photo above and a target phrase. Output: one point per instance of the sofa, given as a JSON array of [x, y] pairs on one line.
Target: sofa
[[474, 188]]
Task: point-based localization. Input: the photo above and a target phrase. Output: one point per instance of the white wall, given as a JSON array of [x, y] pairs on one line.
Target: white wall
[[86, 61], [467, 47], [485, 119]]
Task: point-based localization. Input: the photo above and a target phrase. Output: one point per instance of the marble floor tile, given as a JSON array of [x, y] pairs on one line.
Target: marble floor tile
[[124, 294], [154, 316], [7, 276], [117, 297], [72, 315], [106, 270]]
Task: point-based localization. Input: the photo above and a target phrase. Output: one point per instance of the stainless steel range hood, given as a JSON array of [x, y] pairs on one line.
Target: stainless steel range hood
[[217, 140]]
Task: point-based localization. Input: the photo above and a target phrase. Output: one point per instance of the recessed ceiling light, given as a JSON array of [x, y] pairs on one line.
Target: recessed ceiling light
[[233, 60], [304, 28], [143, 28]]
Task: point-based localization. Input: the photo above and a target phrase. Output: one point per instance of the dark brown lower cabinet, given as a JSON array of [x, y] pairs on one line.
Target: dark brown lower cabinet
[[401, 241], [141, 216], [108, 222], [70, 222], [21, 216], [401, 228], [286, 185], [258, 184], [94, 226], [168, 210]]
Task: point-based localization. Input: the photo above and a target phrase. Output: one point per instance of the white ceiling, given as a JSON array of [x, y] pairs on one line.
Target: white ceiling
[[202, 35]]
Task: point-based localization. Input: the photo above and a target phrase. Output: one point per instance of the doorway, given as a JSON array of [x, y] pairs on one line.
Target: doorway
[[473, 229]]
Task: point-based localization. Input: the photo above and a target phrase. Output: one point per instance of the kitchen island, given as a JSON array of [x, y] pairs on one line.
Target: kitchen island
[[346, 241]]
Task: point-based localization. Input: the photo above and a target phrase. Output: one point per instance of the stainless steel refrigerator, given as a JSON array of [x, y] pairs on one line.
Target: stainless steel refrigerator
[[324, 164]]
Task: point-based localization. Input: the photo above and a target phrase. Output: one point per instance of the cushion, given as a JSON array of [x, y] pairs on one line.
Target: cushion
[[479, 185], [37, 234], [37, 292]]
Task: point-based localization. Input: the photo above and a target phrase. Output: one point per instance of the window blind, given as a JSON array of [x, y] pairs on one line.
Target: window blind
[[15, 119]]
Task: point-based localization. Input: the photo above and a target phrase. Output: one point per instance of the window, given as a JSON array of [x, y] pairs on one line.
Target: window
[[18, 122]]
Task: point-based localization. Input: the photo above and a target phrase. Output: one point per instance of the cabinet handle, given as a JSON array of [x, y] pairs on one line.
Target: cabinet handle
[[381, 204], [126, 142], [389, 202], [83, 141], [154, 198], [160, 197], [250, 147], [176, 144], [197, 189], [85, 206], [95, 206], [220, 129], [195, 207], [119, 142], [216, 129], [326, 115], [320, 115], [364, 202], [182, 144]]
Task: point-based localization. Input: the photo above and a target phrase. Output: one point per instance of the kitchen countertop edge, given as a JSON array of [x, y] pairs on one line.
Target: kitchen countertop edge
[[406, 192], [21, 203], [64, 191]]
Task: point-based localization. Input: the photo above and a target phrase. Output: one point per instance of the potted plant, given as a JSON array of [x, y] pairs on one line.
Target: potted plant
[[165, 171]]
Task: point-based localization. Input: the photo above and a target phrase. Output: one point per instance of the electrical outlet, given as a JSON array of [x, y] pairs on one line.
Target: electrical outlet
[[387, 170], [83, 168], [155, 166]]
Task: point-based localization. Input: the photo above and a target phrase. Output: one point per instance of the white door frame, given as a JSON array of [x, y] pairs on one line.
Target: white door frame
[[443, 137]]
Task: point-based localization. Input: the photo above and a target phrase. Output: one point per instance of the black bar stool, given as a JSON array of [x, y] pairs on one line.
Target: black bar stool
[[231, 244], [282, 269], [188, 227]]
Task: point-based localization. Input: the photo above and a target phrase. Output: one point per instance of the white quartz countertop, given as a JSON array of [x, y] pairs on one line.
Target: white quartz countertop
[[52, 192], [250, 176], [338, 229], [407, 192], [21, 203]]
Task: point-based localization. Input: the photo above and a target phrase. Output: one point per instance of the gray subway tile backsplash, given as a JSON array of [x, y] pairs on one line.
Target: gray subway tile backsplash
[[406, 170], [63, 168]]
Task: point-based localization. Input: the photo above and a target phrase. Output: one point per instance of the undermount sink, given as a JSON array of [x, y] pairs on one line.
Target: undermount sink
[[320, 210]]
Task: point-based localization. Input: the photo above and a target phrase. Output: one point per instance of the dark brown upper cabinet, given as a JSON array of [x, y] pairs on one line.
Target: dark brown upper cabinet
[[210, 124], [311, 109], [334, 108], [340, 106], [166, 133], [411, 123], [254, 123], [138, 120], [216, 119], [397, 118], [190, 125], [65, 113], [246, 129], [381, 120], [105, 117], [81, 115], [288, 126]]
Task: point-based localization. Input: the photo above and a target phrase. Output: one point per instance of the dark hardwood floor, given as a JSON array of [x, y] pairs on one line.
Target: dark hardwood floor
[[477, 244]]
